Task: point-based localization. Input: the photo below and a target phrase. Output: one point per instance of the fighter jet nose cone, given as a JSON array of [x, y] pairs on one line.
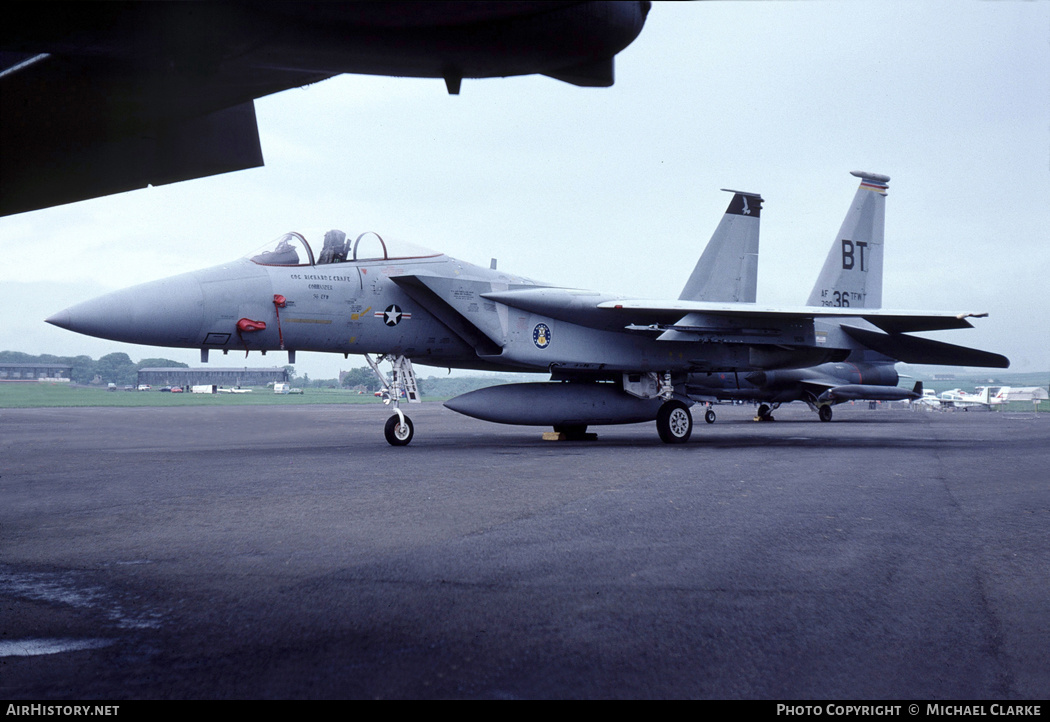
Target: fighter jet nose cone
[[168, 312], [60, 319]]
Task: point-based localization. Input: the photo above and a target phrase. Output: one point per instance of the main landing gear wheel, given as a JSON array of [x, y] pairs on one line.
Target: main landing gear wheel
[[397, 433], [674, 423], [709, 416], [764, 413], [824, 413]]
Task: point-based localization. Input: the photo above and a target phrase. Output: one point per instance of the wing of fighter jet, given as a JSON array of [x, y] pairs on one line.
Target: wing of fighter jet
[[611, 360], [100, 98]]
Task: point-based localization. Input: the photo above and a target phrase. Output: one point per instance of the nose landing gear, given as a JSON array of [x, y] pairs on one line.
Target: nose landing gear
[[398, 429]]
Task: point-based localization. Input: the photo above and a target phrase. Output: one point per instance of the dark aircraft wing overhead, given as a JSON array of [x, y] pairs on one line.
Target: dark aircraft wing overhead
[[98, 98]]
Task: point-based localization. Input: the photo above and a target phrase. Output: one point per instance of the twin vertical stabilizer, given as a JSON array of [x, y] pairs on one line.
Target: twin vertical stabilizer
[[852, 273], [728, 268]]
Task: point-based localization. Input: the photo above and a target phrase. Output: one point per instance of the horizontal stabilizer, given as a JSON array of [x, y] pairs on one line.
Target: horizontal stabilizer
[[914, 350], [904, 323]]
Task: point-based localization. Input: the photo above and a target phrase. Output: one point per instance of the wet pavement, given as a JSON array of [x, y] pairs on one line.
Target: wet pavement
[[276, 551]]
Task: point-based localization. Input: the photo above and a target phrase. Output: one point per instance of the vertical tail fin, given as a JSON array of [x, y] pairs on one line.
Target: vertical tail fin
[[852, 273], [728, 268]]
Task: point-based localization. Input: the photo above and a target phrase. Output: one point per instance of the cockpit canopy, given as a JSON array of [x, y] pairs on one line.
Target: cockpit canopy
[[293, 249]]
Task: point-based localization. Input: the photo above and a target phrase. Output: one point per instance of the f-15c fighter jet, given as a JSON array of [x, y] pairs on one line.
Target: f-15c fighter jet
[[612, 359]]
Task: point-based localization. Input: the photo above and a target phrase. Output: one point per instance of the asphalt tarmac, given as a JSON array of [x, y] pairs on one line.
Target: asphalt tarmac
[[289, 552]]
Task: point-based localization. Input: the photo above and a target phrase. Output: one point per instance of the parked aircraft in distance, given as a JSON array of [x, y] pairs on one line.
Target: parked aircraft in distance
[[928, 399], [612, 360], [101, 98], [988, 396], [983, 396]]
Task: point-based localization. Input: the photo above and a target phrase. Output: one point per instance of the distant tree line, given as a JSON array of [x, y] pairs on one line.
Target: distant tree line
[[114, 368], [119, 369]]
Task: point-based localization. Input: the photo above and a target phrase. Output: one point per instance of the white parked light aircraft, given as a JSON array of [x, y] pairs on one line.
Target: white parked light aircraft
[[989, 396]]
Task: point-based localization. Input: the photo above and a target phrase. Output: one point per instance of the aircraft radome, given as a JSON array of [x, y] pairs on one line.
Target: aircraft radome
[[612, 360]]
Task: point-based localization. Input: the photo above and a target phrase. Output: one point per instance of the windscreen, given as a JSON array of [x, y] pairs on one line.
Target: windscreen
[[334, 246]]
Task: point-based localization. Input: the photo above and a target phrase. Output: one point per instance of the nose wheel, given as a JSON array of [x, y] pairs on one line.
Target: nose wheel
[[398, 430], [402, 385]]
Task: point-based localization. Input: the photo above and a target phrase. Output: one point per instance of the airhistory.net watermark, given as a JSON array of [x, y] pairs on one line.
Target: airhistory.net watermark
[[62, 710]]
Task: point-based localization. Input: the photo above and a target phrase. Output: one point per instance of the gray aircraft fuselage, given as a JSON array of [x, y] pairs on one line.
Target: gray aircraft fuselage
[[432, 309]]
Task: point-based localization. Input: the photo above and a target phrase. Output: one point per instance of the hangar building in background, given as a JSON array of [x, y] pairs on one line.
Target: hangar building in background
[[30, 371]]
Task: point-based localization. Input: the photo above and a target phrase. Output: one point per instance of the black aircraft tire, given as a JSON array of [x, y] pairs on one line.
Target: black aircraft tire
[[674, 423], [396, 434], [709, 416], [824, 413]]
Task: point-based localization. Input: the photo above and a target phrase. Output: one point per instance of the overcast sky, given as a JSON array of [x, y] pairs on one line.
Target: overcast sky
[[617, 189]]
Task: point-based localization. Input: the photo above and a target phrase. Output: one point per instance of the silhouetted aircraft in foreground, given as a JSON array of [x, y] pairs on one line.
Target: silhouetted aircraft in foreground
[[100, 98]]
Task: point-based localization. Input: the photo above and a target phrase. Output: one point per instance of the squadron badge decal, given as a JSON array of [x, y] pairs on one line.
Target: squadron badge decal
[[541, 335]]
